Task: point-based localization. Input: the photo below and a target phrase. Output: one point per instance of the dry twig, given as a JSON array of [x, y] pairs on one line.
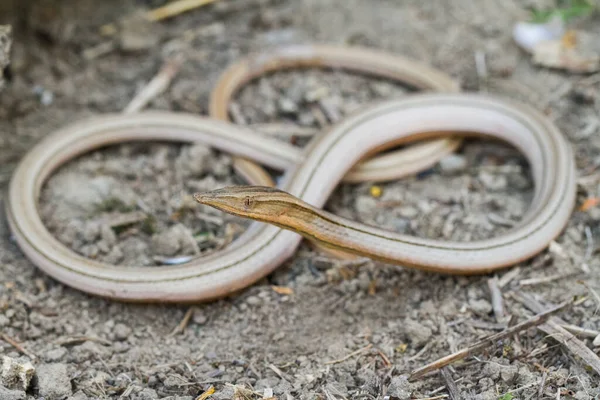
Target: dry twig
[[170, 10], [497, 301], [156, 86], [488, 341], [184, 322], [81, 339], [545, 279], [450, 384], [367, 347], [17, 346]]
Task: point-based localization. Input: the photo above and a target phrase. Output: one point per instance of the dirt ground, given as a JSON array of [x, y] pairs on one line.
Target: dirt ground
[[337, 330]]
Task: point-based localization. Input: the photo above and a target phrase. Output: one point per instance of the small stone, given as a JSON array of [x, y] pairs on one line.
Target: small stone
[[86, 351], [146, 394], [486, 383], [4, 321], [114, 256], [316, 94], [79, 395], [596, 342], [91, 231], [90, 251], [16, 374], [287, 106], [108, 235], [480, 306], [53, 381], [508, 373], [382, 89], [173, 381], [493, 182], [369, 381], [176, 240], [399, 388], [417, 333], [453, 163], [55, 354], [227, 393], [408, 212], [253, 300], [266, 383], [582, 395], [365, 204], [194, 160], [282, 388], [199, 317], [176, 397], [306, 119], [71, 232], [121, 331], [7, 394], [221, 166]]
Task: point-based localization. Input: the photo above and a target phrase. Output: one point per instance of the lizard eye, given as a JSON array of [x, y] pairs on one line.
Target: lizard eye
[[248, 202]]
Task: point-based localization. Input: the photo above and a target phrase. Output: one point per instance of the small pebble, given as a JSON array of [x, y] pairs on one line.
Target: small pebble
[[194, 160], [108, 235], [199, 317], [176, 240], [416, 332], [365, 204], [369, 381], [480, 306], [453, 163], [91, 231], [253, 300], [287, 106], [53, 381], [55, 355], [265, 383], [114, 256], [408, 212], [508, 373], [121, 331], [399, 388], [493, 182], [79, 395], [382, 89], [316, 94], [146, 394]]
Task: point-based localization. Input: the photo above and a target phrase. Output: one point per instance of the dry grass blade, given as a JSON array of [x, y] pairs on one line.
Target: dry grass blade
[[488, 341], [367, 347], [450, 384], [156, 86], [497, 301], [17, 346], [184, 322], [175, 8], [170, 10]]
